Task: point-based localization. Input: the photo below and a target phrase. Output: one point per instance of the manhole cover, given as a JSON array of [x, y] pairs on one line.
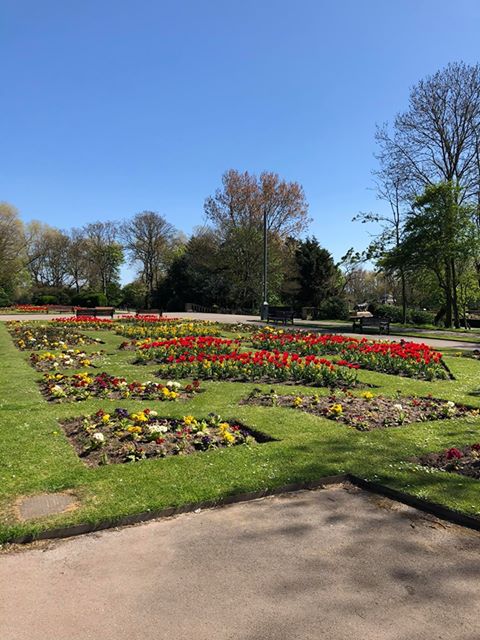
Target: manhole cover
[[45, 504]]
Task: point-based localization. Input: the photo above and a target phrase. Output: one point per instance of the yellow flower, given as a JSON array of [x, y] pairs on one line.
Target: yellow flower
[[134, 429], [228, 437], [106, 418], [298, 401], [368, 395], [189, 421], [336, 409]]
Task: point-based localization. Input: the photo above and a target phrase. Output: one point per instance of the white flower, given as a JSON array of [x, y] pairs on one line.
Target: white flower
[[153, 413], [157, 428], [99, 437], [450, 404], [398, 407]]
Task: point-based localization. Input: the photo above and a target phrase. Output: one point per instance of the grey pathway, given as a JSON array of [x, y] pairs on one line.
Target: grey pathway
[[330, 564]]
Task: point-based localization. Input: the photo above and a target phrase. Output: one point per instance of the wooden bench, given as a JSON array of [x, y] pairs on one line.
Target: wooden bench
[[280, 314], [94, 312], [149, 312], [59, 308], [373, 322]]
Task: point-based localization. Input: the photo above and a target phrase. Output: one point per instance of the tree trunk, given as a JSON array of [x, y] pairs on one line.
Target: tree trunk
[[456, 315], [448, 295], [404, 296]]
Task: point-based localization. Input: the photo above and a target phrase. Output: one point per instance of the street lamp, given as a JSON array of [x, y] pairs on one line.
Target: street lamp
[[264, 310]]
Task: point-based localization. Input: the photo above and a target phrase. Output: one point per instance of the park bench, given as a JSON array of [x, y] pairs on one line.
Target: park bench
[[94, 312], [59, 308], [149, 312], [280, 314], [371, 322]]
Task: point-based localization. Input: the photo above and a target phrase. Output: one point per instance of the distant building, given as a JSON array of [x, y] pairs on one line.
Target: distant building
[[387, 299]]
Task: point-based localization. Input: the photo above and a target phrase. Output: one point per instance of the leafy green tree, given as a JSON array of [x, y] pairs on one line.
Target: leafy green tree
[[439, 236], [197, 275], [318, 275]]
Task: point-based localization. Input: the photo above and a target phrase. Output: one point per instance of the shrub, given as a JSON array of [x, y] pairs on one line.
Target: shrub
[[418, 316], [89, 299], [47, 300], [390, 311], [334, 308], [5, 300], [414, 316]]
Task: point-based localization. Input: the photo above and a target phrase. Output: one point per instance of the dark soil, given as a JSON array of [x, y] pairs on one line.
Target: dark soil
[[365, 413], [464, 460], [120, 445]]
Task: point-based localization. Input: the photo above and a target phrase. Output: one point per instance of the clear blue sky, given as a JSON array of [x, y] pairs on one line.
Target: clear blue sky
[[110, 107]]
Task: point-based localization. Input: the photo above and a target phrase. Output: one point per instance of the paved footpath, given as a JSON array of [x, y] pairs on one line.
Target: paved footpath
[[331, 564], [315, 326]]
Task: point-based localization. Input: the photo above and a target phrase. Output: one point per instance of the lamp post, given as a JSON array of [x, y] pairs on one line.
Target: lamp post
[[264, 310]]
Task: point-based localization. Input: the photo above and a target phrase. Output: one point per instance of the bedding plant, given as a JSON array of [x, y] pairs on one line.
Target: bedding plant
[[129, 472], [411, 359]]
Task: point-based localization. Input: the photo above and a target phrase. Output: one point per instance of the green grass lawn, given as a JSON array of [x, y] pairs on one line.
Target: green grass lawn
[[35, 456]]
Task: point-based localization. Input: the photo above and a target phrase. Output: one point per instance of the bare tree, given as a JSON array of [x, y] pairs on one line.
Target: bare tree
[[244, 198], [47, 249], [391, 186], [104, 254], [77, 259], [149, 241], [12, 247], [437, 138], [237, 210]]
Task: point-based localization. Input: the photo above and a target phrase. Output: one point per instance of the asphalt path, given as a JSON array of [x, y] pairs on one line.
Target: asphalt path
[[331, 564]]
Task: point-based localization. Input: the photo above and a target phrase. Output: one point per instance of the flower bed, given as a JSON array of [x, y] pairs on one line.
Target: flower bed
[[67, 359], [410, 359], [367, 411], [302, 342], [84, 322], [166, 330], [463, 460], [261, 365], [119, 436], [30, 308], [41, 336], [80, 386], [163, 350], [148, 319]]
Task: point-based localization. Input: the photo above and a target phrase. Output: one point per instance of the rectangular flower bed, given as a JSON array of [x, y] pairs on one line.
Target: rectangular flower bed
[[169, 350], [66, 359], [120, 436], [367, 411], [411, 359], [85, 322], [80, 386], [162, 330], [261, 365], [26, 336]]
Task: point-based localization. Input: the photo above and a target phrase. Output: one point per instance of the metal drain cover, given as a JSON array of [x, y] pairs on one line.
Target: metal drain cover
[[45, 504]]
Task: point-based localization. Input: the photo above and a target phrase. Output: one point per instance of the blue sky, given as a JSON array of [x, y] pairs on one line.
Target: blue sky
[[113, 107]]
